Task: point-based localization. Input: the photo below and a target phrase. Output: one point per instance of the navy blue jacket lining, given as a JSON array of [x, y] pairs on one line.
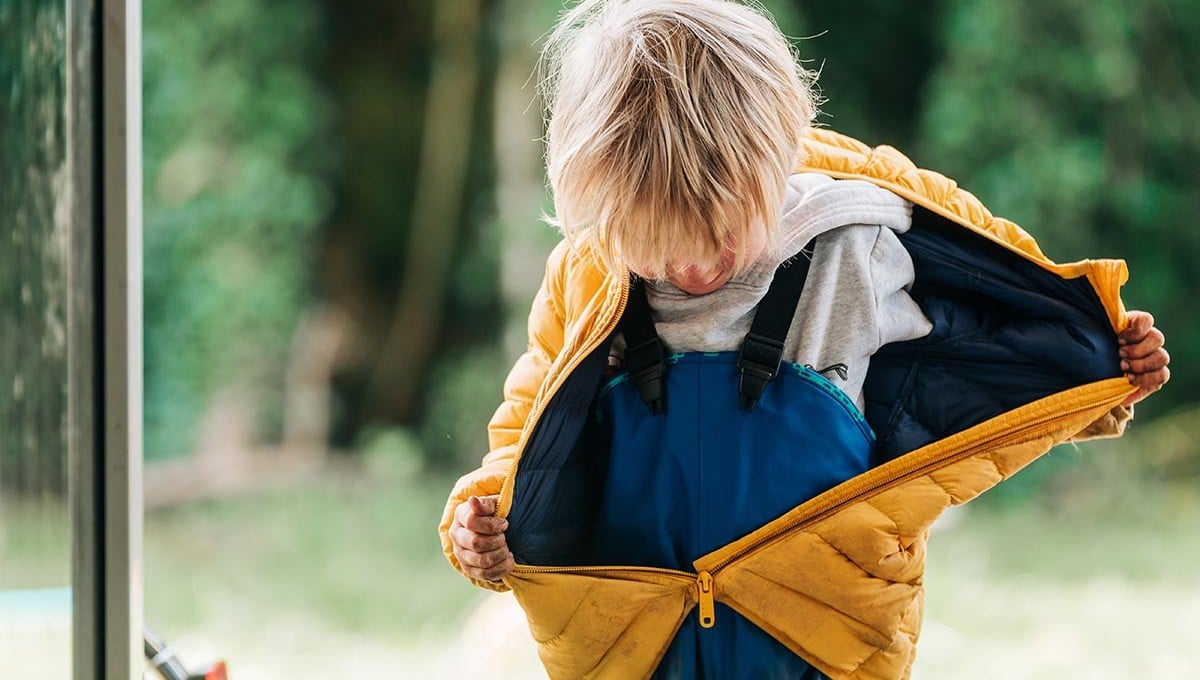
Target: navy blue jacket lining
[[1005, 333]]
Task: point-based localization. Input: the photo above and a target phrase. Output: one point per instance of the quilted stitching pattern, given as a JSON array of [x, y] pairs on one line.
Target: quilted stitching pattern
[[828, 150], [865, 564], [602, 624]]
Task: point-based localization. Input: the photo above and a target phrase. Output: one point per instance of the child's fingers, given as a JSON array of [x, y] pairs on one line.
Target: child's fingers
[[1152, 341], [484, 560], [1152, 362], [488, 525], [1151, 380], [1139, 324], [484, 505], [502, 569], [476, 542], [1147, 384], [479, 541], [463, 512], [475, 506]]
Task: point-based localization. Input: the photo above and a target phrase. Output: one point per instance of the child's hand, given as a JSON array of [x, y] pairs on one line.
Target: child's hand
[[478, 538], [1142, 356]]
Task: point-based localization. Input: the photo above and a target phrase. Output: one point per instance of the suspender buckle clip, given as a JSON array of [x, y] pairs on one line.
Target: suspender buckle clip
[[758, 364], [647, 366]]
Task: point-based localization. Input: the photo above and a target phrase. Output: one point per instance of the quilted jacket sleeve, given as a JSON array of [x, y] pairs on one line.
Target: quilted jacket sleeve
[[546, 320]]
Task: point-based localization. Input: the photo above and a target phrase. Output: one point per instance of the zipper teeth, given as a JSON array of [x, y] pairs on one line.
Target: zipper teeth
[[901, 475], [526, 569], [609, 327]]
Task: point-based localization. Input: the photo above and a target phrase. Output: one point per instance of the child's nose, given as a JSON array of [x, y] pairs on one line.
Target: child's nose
[[699, 281]]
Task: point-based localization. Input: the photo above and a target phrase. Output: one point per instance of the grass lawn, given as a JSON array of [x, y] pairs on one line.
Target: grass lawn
[[342, 577], [340, 560], [1024, 594]]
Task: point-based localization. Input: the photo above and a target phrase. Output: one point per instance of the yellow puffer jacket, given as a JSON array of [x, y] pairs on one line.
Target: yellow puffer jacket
[[839, 578]]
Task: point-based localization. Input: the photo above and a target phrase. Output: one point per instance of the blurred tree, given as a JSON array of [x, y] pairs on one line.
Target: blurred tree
[[234, 166], [521, 193], [442, 171], [35, 213], [875, 58], [423, 116], [1077, 120], [408, 253]]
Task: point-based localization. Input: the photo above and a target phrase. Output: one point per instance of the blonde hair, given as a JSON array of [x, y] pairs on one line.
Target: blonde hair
[[672, 126]]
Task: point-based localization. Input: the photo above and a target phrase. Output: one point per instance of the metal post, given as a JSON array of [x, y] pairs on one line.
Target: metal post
[[85, 450], [121, 276]]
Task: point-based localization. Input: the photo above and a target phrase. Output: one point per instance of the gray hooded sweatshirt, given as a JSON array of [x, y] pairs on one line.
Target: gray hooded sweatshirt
[[855, 298]]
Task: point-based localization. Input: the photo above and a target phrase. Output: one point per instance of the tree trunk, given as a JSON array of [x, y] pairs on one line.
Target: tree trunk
[[520, 175], [437, 211]]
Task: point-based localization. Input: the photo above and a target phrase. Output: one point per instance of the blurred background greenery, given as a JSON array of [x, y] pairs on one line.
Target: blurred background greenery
[[343, 197], [342, 239]]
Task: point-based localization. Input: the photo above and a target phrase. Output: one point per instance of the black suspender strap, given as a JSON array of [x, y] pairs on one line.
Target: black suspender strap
[[645, 356], [762, 350]]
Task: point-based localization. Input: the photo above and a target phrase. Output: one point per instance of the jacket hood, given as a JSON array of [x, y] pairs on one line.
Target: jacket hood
[[815, 203], [841, 157]]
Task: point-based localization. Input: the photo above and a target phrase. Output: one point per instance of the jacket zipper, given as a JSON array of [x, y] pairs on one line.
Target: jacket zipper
[[609, 326], [911, 471], [704, 586], [703, 581]]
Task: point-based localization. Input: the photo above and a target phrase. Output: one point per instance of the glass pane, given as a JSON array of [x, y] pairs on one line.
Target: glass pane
[[35, 224]]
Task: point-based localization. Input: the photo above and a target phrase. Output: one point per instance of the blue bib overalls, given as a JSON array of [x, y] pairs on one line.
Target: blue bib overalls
[[705, 466]]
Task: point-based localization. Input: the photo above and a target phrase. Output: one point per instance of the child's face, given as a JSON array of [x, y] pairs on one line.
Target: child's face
[[696, 280]]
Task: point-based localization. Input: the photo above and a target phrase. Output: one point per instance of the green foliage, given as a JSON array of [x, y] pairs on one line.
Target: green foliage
[[1149, 476], [35, 248], [1035, 481], [1074, 123], [1077, 121], [233, 191], [875, 57]]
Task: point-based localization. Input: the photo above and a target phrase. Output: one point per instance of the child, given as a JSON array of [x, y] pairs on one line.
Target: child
[[739, 458]]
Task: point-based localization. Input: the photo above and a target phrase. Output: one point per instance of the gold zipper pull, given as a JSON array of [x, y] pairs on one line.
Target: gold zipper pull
[[708, 613]]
